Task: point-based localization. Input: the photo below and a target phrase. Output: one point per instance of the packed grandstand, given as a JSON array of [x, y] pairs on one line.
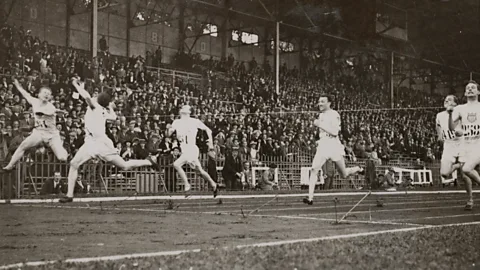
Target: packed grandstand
[[236, 100]]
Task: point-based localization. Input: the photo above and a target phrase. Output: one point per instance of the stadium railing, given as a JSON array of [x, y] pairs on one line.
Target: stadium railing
[[102, 178], [171, 75]]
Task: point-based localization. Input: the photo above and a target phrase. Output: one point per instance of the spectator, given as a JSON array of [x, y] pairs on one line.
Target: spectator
[[141, 151], [247, 180], [53, 186], [267, 182], [232, 170]]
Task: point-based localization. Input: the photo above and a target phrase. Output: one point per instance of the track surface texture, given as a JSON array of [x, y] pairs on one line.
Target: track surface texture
[[408, 231]]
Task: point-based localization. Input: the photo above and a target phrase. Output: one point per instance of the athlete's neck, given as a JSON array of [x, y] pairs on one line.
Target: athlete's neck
[[472, 99], [326, 110]]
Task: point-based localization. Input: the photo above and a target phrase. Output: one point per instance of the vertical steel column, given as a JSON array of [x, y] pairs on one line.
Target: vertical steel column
[[94, 32], [277, 57], [392, 94]]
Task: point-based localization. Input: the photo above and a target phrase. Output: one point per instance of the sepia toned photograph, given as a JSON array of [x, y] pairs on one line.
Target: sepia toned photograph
[[239, 134]]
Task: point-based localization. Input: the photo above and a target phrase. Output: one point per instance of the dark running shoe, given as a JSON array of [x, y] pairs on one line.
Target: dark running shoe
[[469, 206], [66, 200], [215, 191], [307, 201]]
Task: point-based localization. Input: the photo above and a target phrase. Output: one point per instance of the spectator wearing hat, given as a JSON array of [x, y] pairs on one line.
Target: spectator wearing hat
[[131, 132], [141, 151], [128, 152], [244, 150], [266, 146], [267, 181], [114, 135], [153, 145], [388, 180], [27, 120], [71, 145], [247, 182], [232, 170], [122, 134], [253, 155]]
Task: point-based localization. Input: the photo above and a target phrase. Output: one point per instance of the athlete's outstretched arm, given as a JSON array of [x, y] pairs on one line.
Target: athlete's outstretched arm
[[80, 86], [202, 126], [24, 92]]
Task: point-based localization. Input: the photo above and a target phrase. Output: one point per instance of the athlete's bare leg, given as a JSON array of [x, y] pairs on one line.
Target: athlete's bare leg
[[178, 165], [206, 176], [30, 142]]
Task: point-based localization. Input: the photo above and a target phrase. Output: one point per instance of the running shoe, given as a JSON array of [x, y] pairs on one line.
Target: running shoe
[[469, 205], [66, 199], [307, 201]]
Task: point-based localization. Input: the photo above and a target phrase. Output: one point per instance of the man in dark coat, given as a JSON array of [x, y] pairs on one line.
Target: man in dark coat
[[232, 170]]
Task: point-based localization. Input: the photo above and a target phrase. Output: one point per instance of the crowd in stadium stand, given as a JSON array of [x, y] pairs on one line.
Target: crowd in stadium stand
[[239, 103]]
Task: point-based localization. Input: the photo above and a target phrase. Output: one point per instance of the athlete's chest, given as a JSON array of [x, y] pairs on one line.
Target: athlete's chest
[[470, 115], [44, 109]]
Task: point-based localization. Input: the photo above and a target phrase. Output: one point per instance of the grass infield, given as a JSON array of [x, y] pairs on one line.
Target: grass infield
[[436, 248]]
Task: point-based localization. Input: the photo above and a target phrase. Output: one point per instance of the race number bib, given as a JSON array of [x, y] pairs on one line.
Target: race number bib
[[40, 124]]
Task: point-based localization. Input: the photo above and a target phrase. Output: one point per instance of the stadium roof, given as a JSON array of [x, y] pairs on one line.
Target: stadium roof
[[444, 31]]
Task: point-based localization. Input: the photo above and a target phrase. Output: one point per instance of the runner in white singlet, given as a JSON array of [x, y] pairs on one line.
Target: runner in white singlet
[[453, 148], [465, 121], [328, 146], [45, 130], [187, 129], [97, 144]]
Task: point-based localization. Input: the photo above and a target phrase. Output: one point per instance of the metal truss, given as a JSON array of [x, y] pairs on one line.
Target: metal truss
[[6, 7]]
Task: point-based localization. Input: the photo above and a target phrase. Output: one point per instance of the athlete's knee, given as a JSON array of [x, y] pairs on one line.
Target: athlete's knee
[[75, 164], [468, 168], [445, 173], [343, 174], [62, 156], [124, 167], [177, 165]]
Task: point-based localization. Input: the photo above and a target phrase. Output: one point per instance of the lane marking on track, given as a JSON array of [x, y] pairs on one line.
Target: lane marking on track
[[391, 210], [439, 217], [205, 197], [233, 204], [260, 244], [238, 212], [379, 222], [330, 215], [330, 207]]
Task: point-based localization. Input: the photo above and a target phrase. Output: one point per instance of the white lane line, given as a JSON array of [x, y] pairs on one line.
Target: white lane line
[[233, 204], [438, 217], [391, 210], [379, 222], [261, 244], [373, 210], [332, 206], [205, 197]]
